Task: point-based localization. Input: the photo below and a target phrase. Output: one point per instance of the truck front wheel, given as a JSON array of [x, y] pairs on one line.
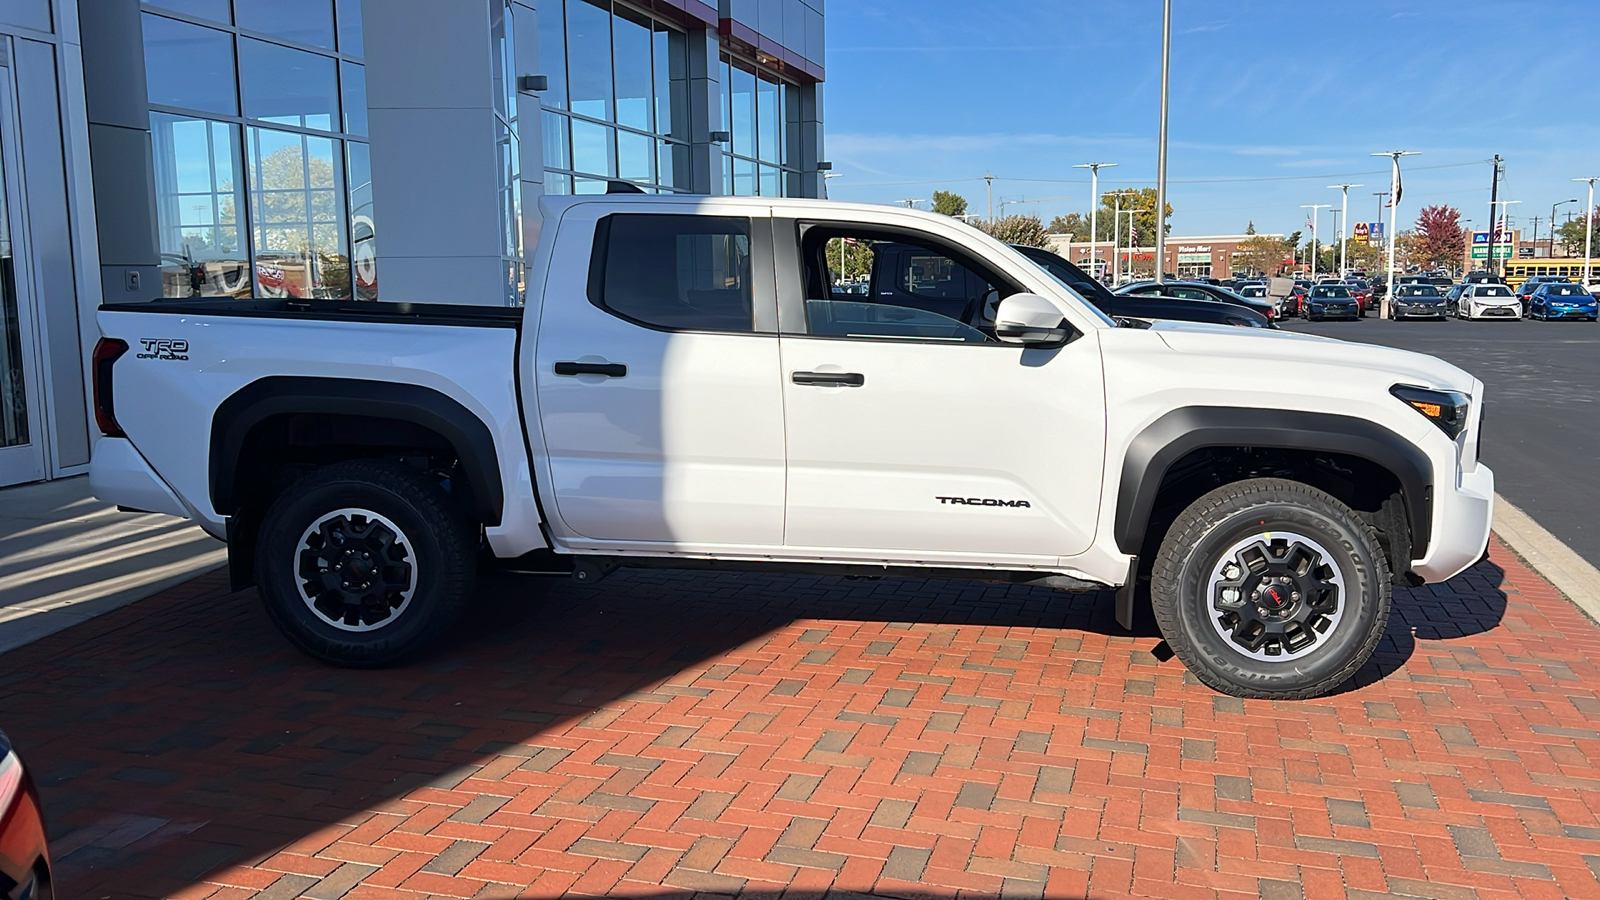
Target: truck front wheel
[[1271, 588], [364, 563]]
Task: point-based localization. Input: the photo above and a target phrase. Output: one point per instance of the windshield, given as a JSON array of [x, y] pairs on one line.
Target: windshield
[[1494, 290], [1330, 291], [1252, 291], [1565, 290], [1424, 290]]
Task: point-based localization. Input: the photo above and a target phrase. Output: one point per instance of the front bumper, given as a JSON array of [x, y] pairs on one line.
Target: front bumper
[[1335, 312], [1571, 312], [1418, 311], [1494, 312], [1462, 516]]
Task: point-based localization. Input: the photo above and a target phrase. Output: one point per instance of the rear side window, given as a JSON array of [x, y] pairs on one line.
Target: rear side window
[[678, 273]]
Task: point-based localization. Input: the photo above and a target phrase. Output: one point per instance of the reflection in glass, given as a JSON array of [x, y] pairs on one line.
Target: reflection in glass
[[553, 52], [350, 37], [789, 98], [768, 120], [189, 66], [215, 10], [742, 105], [199, 195], [588, 186], [505, 60], [557, 185], [673, 169], [635, 154], [770, 183], [508, 174], [672, 83], [593, 149], [589, 59], [631, 45], [287, 86], [353, 83], [363, 231], [297, 215], [302, 21], [13, 389], [744, 177], [557, 145]]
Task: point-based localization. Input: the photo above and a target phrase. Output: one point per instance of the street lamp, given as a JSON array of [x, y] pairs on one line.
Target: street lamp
[[912, 204], [1553, 225], [1588, 227], [1316, 209], [1130, 213], [1116, 234], [1094, 209], [1344, 218], [1505, 221], [1161, 153], [1394, 208]]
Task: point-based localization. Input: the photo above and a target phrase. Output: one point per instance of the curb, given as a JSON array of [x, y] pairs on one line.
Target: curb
[[1572, 575]]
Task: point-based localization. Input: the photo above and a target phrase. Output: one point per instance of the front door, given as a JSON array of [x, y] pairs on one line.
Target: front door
[[916, 436], [22, 437], [659, 396]]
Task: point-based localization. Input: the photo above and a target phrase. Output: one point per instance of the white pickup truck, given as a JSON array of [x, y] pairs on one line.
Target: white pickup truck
[[700, 382]]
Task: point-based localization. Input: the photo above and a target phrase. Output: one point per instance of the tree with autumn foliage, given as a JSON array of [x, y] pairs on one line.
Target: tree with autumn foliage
[[1440, 240]]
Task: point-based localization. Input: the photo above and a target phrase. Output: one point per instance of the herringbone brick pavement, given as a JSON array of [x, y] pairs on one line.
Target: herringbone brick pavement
[[672, 733]]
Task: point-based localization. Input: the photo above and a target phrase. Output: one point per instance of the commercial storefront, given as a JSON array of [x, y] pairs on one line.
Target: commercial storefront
[[335, 149], [1205, 256]]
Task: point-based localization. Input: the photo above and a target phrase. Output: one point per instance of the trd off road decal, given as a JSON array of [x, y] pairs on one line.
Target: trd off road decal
[[163, 348], [981, 501]]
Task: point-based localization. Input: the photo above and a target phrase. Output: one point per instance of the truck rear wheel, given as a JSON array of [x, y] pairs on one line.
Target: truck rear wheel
[[1271, 588], [364, 563]]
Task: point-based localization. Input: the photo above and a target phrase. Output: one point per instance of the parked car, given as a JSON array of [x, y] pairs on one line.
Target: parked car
[[1488, 301], [1253, 291], [1482, 277], [1452, 297], [1197, 290], [683, 388], [1562, 301], [1295, 303], [24, 851], [1526, 288], [1418, 301], [1139, 306], [1331, 301], [1362, 291]]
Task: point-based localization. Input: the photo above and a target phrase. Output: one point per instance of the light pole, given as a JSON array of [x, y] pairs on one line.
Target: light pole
[[1382, 197], [1394, 207], [1494, 229], [1131, 248], [1553, 224], [826, 176], [989, 180], [1344, 219], [1161, 157], [1316, 209], [1588, 227], [1116, 234], [1094, 210], [912, 204]]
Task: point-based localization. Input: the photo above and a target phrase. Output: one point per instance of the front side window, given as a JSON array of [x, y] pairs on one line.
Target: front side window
[[679, 273]]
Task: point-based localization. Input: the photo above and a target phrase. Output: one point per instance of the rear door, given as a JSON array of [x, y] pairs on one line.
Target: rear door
[[657, 379]]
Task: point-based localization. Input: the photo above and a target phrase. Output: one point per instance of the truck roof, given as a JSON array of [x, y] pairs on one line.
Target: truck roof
[[555, 205]]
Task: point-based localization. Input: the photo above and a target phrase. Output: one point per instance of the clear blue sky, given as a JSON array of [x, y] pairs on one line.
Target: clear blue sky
[[1281, 96]]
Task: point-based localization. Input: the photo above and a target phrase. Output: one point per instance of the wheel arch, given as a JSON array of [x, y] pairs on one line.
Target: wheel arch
[[1181, 432]]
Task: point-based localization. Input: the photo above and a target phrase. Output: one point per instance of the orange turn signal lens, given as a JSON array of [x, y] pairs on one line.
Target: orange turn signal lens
[[1431, 410]]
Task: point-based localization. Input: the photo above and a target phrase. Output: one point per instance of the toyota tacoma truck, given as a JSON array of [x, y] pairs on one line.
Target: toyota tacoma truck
[[693, 382]]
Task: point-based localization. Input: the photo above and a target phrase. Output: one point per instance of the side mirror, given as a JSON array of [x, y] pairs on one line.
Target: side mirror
[[1030, 319]]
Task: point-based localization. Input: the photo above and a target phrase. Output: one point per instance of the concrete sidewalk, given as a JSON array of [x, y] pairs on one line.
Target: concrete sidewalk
[[66, 557]]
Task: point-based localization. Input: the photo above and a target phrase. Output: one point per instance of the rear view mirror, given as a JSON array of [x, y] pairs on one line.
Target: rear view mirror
[[1030, 319]]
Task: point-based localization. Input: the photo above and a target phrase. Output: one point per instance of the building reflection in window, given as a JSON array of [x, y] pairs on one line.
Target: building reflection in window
[[297, 211], [199, 198]]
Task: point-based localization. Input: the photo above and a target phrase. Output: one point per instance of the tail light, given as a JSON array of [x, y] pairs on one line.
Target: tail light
[[106, 353]]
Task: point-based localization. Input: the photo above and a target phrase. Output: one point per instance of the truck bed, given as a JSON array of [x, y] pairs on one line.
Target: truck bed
[[333, 310]]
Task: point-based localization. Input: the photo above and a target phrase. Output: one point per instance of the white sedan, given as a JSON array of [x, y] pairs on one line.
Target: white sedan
[[1488, 301]]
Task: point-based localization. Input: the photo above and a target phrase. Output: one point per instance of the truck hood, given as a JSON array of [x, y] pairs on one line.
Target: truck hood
[[1288, 348]]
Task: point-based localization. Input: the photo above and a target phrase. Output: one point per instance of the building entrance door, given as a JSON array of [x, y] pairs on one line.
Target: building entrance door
[[22, 433]]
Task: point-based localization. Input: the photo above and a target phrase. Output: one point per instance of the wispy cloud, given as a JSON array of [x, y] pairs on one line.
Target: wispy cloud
[[1267, 151], [1200, 29]]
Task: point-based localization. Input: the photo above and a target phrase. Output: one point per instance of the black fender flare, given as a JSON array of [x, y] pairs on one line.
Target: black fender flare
[[1182, 431], [278, 395]]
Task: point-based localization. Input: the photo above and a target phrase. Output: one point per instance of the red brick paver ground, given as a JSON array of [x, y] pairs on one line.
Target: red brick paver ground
[[662, 734]]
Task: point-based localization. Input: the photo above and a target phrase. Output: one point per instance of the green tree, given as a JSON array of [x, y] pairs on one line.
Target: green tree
[[1074, 224], [1025, 230], [849, 259], [1260, 253], [949, 203], [1144, 223], [1571, 235]]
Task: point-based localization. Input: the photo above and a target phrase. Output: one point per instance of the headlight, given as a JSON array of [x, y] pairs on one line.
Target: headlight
[[1446, 409]]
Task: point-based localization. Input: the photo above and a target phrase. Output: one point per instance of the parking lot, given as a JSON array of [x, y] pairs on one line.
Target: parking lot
[[666, 734], [1543, 382]]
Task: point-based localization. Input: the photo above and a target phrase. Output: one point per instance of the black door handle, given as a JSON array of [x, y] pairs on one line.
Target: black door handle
[[609, 370], [849, 379]]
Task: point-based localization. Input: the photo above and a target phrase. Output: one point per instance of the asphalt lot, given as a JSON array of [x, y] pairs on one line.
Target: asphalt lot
[[1542, 434]]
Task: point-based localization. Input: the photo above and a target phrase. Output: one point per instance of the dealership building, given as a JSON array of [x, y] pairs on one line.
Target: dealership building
[[341, 149], [1204, 256]]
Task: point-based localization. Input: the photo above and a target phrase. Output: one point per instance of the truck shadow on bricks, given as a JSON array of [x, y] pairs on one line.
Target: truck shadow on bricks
[[180, 736]]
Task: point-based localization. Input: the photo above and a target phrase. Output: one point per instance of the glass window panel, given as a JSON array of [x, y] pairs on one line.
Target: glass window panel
[[589, 59], [588, 186], [742, 100], [553, 52], [679, 272], [199, 193], [215, 10], [303, 21], [672, 82], [727, 173], [508, 177], [724, 109], [557, 143], [353, 82], [631, 45], [350, 36], [363, 231], [297, 213], [594, 149], [557, 184], [744, 177], [769, 117], [635, 157], [770, 185], [673, 168], [505, 79], [287, 86], [189, 66]]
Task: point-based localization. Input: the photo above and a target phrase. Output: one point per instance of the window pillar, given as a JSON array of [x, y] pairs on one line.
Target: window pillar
[[706, 103]]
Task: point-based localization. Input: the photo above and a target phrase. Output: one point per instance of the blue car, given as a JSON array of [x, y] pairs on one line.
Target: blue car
[[1562, 301]]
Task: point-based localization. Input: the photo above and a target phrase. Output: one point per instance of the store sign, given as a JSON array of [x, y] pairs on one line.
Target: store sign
[[1360, 233], [1194, 257], [1501, 251], [1375, 231]]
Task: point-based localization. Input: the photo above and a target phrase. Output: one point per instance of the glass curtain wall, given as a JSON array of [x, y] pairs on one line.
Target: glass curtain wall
[[617, 104], [259, 128], [762, 113]]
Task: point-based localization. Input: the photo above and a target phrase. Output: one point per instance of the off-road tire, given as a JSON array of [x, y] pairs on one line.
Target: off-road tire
[[435, 553], [1198, 546]]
